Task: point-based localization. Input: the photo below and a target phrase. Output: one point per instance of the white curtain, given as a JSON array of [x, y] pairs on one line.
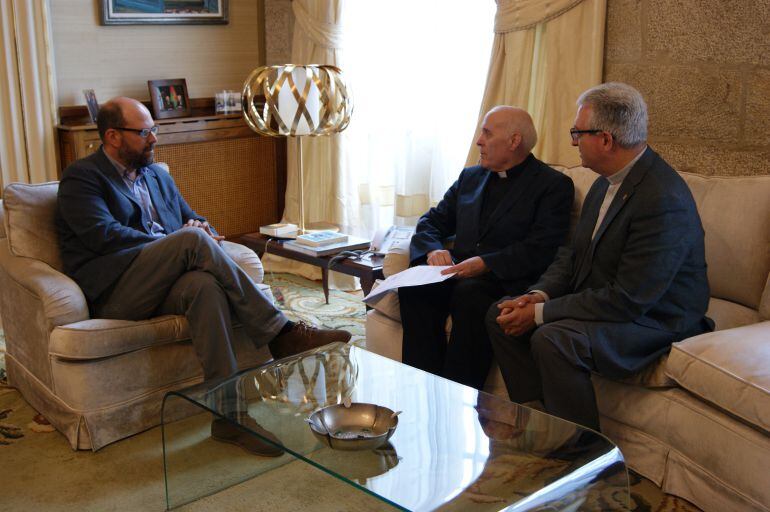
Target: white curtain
[[416, 71], [27, 93], [545, 53]]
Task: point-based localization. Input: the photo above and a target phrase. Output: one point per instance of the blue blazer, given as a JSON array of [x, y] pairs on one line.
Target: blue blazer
[[521, 237], [645, 265], [101, 225]]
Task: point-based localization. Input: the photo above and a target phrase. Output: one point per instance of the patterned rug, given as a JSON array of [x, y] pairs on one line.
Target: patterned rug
[[300, 299]]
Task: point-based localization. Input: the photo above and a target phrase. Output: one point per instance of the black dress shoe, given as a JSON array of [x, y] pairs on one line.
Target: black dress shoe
[[226, 432]]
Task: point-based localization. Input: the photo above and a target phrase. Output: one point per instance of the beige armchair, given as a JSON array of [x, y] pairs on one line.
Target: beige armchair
[[95, 380]]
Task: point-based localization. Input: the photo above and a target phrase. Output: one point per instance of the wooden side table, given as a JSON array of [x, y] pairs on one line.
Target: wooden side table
[[367, 269]]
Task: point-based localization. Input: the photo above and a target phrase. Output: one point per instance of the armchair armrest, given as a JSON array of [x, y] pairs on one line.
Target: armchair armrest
[[62, 299], [246, 259]]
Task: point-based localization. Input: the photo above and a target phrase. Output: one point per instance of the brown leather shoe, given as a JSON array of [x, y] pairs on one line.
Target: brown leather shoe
[[304, 337], [226, 432]]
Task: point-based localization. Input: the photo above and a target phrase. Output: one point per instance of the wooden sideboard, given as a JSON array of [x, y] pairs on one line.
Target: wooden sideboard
[[225, 171]]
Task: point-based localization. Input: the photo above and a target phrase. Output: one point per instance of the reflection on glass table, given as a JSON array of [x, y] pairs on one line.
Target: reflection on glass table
[[454, 448]]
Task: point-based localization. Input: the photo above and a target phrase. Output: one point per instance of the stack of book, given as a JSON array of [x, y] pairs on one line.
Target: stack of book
[[324, 243]]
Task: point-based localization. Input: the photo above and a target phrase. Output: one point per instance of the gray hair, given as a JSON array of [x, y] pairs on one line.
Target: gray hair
[[619, 109]]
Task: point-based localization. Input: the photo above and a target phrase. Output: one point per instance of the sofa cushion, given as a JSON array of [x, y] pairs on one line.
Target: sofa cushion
[[727, 315], [735, 212], [729, 369], [387, 304], [30, 212], [99, 338]]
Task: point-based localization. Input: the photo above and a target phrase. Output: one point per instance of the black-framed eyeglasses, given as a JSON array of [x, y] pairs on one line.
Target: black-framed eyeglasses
[[575, 133], [143, 133]]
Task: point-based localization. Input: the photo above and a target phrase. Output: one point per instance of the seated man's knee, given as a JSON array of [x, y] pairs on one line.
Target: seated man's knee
[[197, 281], [191, 237], [550, 341]]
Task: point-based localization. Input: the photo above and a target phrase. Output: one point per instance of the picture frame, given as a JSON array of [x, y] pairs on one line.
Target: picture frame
[[169, 98], [227, 102], [91, 104], [164, 12]]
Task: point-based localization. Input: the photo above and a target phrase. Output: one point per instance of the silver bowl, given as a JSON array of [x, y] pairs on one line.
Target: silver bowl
[[360, 426]]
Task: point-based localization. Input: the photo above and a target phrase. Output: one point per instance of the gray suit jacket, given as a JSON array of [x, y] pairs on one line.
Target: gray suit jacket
[[645, 265]]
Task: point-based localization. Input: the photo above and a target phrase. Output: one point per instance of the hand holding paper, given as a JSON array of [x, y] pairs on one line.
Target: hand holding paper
[[414, 276]]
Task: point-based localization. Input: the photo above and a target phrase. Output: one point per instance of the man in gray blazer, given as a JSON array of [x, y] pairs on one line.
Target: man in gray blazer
[[631, 282], [137, 249]]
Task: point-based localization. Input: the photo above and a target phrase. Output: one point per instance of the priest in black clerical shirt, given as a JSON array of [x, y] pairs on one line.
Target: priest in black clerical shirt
[[506, 217]]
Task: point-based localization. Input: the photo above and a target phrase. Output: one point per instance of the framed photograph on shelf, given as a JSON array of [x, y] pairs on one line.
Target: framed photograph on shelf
[[227, 102], [91, 103], [169, 98], [164, 12]]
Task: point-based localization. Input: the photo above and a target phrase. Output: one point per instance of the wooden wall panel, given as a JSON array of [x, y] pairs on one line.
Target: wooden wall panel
[[234, 183]]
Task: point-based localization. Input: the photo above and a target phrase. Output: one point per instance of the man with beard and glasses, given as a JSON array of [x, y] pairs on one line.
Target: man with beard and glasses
[[137, 250]]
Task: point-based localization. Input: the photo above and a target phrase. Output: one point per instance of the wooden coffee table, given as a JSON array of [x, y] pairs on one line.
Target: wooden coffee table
[[367, 269]]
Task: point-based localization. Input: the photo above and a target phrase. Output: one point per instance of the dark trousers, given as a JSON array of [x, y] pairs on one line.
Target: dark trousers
[[188, 273], [424, 310], [554, 362]]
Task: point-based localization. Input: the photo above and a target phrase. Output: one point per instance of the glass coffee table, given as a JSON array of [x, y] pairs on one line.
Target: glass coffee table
[[454, 448]]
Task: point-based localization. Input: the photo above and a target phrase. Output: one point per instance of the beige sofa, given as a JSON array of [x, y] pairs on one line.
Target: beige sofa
[[95, 380], [698, 422]]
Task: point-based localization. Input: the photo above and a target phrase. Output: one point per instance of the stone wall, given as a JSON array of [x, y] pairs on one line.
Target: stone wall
[[279, 28], [704, 68]]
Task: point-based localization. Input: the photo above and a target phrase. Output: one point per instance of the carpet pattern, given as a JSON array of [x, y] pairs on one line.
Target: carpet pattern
[[21, 443], [302, 299]]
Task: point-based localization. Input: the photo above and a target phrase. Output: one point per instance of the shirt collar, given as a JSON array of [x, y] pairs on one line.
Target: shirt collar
[[619, 176]]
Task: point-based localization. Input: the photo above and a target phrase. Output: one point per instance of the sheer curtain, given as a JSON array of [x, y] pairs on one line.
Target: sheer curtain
[[417, 72]]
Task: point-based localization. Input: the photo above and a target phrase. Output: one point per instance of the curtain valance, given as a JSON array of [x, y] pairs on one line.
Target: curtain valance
[[513, 15]]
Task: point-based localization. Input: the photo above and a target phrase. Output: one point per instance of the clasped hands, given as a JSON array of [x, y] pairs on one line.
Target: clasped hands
[[195, 223], [471, 267], [517, 315]]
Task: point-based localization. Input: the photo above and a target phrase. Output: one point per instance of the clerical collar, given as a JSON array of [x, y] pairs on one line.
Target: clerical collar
[[516, 168], [619, 176]]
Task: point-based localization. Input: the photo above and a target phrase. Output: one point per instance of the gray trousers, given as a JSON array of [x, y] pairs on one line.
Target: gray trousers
[[554, 362], [188, 273]]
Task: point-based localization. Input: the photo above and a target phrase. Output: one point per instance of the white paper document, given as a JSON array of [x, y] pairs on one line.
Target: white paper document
[[414, 276]]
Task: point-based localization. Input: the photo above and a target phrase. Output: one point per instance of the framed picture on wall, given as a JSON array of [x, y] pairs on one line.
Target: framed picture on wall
[[169, 98], [164, 12]]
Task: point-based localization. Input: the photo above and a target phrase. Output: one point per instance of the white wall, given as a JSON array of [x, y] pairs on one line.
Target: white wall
[[118, 60]]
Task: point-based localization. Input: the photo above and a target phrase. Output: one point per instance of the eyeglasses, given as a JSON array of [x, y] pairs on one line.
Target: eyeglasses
[[575, 133], [143, 133]]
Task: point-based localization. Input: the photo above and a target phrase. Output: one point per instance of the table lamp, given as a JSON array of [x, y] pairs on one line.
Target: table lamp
[[299, 101]]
